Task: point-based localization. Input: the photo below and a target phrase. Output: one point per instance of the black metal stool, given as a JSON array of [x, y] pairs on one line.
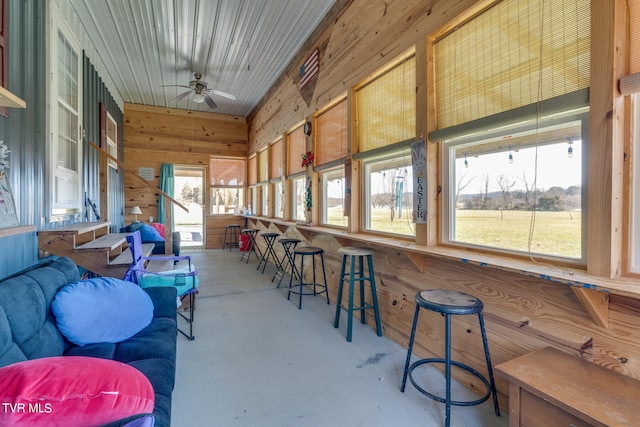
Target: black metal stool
[[251, 247], [311, 251], [233, 230], [353, 252], [269, 238], [450, 303], [289, 245]]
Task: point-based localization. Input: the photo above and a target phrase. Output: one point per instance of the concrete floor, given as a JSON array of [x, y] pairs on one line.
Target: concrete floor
[[259, 361]]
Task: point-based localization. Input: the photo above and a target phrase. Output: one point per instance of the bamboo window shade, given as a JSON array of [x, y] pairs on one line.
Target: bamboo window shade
[[296, 146], [253, 170], [634, 40], [227, 171], [331, 134], [275, 165], [386, 107], [263, 165], [516, 53]]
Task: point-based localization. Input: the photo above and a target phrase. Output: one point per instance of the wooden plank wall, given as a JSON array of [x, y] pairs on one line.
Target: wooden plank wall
[[153, 136], [522, 313]]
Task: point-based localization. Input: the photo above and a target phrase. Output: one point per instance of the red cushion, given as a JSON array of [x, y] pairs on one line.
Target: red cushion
[[72, 391], [158, 226]]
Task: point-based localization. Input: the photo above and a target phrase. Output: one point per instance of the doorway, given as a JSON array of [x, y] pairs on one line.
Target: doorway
[[188, 189]]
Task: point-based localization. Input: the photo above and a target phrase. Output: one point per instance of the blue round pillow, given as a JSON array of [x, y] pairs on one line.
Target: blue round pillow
[[100, 310]]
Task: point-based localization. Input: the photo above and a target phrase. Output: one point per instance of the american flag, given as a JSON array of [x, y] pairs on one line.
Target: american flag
[[309, 69]]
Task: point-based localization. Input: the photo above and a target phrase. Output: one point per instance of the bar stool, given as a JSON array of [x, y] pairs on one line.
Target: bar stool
[[289, 245], [251, 247], [232, 230], [351, 253], [448, 303], [311, 251], [269, 238]]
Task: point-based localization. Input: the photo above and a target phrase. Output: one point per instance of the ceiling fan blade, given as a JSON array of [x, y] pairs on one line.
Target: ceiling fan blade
[[181, 96], [225, 94], [175, 86], [210, 102]]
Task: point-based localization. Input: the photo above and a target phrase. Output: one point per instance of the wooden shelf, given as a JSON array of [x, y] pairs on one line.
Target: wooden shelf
[[592, 291], [20, 229], [8, 99]]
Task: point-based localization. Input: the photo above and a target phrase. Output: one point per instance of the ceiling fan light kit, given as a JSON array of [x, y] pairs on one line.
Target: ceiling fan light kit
[[200, 92]]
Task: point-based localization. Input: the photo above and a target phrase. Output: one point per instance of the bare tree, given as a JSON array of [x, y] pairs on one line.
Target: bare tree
[[484, 192], [529, 188], [505, 185], [462, 183]]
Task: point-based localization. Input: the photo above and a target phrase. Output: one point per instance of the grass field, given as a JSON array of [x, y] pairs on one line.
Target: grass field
[[555, 233]]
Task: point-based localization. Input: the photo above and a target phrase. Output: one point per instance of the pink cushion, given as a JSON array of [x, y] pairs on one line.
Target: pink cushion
[[158, 226], [72, 391]]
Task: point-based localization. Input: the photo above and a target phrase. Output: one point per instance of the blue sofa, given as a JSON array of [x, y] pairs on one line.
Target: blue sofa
[[28, 330]]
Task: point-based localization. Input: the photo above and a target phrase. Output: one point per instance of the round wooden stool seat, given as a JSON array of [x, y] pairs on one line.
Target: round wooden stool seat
[[356, 251], [450, 302]]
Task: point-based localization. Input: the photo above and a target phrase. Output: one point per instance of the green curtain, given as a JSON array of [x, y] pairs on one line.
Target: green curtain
[[166, 185]]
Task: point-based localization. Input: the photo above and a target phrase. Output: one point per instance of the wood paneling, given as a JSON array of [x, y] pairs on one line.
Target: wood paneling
[[522, 313], [154, 136]]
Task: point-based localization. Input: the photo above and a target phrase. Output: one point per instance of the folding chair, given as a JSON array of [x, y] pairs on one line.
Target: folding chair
[[184, 280]]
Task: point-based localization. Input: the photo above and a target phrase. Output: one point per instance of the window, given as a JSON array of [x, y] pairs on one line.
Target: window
[[331, 150], [333, 197], [4, 51], [386, 109], [226, 185], [510, 111], [519, 191], [109, 135], [275, 177], [299, 198], [296, 145], [278, 200], [388, 195], [265, 200], [66, 116], [635, 217]]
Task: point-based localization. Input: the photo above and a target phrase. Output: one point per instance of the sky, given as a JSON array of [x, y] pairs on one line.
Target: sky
[[554, 168]]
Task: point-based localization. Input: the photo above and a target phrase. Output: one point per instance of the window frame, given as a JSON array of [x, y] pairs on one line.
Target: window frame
[[449, 176], [325, 175], [294, 196], [217, 184], [59, 208], [400, 152]]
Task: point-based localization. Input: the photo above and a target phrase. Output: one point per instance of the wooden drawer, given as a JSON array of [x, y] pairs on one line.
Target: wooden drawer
[[537, 412]]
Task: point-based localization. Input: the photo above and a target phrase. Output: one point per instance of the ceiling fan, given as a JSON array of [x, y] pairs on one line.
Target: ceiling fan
[[201, 93]]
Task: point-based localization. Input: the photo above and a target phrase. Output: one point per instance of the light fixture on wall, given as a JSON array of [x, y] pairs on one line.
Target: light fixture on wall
[[198, 98], [135, 211]]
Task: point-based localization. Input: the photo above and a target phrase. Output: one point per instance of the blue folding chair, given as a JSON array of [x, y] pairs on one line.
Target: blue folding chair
[[185, 280]]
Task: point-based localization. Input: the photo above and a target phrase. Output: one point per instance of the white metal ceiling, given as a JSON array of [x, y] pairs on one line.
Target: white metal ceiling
[[240, 46]]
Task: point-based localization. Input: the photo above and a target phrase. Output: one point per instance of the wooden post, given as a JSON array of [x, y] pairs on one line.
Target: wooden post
[[606, 130]]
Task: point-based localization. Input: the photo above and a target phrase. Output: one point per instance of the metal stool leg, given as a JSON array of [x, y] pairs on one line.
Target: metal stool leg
[[324, 275], [350, 308], [336, 322], [374, 296], [410, 348], [362, 278], [447, 356], [487, 356]]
